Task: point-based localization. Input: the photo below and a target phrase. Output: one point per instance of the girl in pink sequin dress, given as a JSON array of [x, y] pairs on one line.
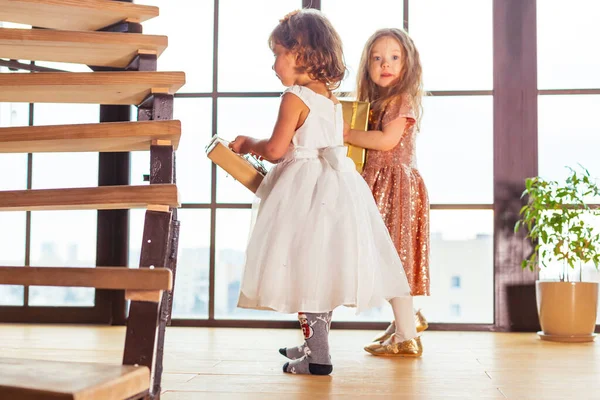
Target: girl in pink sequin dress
[[389, 78]]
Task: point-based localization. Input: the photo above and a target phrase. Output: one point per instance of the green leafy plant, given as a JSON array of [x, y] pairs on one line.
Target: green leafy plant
[[559, 222]]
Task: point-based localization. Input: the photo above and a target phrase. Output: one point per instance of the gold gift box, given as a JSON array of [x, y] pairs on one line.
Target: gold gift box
[[356, 114], [244, 168]]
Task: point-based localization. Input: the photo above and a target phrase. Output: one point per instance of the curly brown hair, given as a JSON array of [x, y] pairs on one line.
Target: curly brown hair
[[409, 87], [315, 43]]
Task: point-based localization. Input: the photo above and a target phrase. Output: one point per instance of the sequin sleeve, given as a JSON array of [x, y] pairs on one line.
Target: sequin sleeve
[[399, 108]]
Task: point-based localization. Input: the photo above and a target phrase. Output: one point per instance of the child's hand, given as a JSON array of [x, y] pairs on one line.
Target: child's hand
[[241, 145], [346, 131]]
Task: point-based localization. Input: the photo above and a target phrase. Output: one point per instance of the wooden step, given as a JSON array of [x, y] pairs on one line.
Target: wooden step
[[73, 15], [87, 87], [105, 137], [105, 49], [120, 278], [93, 198], [38, 379]]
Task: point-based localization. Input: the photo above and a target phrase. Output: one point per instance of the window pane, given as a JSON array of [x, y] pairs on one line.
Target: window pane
[[191, 279], [567, 36], [569, 135], [13, 25], [242, 116], [12, 253], [136, 232], [457, 53], [189, 28], [193, 167], [455, 149], [13, 114], [140, 166], [245, 59], [64, 170], [233, 229], [462, 251], [379, 314], [355, 23], [59, 114], [64, 238], [64, 66]]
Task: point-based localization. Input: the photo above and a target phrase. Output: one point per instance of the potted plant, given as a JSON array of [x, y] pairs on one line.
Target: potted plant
[[560, 225]]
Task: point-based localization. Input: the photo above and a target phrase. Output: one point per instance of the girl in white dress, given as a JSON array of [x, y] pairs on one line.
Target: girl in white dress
[[318, 241]]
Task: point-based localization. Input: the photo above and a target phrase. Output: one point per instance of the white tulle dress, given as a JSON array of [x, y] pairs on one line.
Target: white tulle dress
[[318, 240]]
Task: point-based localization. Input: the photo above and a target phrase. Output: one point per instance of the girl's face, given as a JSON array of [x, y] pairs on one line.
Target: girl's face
[[285, 65], [385, 62]]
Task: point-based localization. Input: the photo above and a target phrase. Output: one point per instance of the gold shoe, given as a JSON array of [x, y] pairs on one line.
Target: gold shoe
[[408, 348], [420, 322]]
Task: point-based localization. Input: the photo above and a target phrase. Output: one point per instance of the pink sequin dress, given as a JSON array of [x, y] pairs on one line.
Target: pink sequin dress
[[401, 196]]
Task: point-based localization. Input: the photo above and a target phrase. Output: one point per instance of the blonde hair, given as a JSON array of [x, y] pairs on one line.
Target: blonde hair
[[315, 43], [408, 87]]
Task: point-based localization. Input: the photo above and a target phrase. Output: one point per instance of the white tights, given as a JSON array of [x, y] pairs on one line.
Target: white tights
[[404, 315]]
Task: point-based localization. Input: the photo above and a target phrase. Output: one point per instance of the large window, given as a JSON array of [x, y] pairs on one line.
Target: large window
[[232, 90]]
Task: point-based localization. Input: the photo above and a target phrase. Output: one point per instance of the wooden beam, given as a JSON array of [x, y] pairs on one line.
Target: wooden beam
[[106, 49], [105, 137], [93, 198], [99, 277], [126, 88], [76, 15], [40, 380], [153, 296]]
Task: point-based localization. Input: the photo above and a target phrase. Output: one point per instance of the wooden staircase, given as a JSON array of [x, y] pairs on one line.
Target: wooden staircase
[[107, 36]]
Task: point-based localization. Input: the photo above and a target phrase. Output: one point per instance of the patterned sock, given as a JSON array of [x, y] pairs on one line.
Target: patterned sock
[[294, 353], [317, 360]]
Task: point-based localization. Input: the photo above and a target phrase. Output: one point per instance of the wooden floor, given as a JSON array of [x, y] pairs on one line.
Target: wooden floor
[[244, 364]]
